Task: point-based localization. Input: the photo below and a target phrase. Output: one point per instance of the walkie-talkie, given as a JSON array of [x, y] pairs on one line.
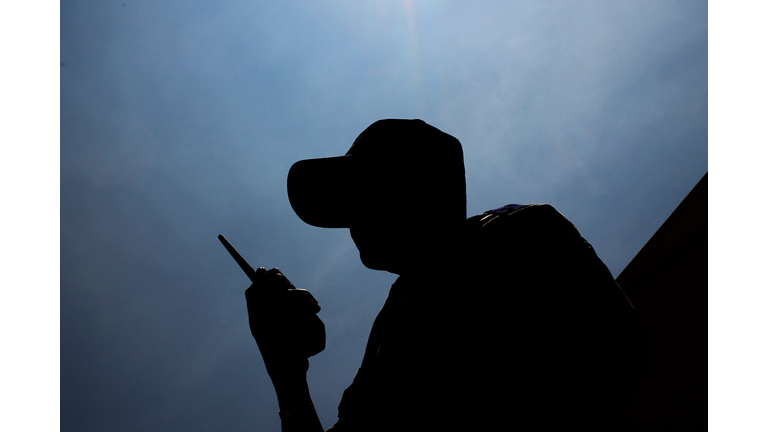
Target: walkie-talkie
[[239, 259], [308, 342]]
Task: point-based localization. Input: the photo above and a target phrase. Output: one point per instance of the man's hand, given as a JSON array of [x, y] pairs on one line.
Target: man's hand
[[284, 323]]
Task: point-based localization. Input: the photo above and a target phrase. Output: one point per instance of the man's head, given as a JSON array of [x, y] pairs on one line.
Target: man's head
[[400, 189]]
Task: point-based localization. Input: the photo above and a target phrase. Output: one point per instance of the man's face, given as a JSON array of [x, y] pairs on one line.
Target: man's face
[[399, 227], [388, 239]]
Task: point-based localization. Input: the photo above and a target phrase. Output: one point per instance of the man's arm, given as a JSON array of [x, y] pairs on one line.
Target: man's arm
[[286, 327], [297, 413]]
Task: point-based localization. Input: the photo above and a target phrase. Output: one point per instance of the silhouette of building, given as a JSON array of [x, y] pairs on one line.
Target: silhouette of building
[[667, 284]]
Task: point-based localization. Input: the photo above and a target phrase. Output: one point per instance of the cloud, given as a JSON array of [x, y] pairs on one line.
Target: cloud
[[179, 121]]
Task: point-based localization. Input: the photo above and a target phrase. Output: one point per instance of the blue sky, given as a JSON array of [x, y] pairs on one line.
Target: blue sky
[[180, 120]]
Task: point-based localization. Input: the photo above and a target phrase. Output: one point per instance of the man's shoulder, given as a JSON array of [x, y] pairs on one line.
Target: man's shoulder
[[521, 220]]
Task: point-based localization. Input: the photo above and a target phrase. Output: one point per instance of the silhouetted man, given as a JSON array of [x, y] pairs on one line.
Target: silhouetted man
[[504, 320]]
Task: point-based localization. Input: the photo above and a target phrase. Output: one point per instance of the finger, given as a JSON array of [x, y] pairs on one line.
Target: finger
[[303, 300], [270, 282], [278, 279], [259, 272], [302, 294]]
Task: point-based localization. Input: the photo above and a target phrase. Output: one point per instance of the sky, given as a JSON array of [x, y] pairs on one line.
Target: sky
[[179, 120]]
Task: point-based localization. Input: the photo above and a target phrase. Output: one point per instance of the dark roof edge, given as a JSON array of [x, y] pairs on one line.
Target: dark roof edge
[[688, 220]]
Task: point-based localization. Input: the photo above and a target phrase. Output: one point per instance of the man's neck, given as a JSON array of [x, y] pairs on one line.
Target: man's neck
[[442, 257]]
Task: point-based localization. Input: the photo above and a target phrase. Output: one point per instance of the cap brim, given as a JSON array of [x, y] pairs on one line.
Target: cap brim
[[321, 191]]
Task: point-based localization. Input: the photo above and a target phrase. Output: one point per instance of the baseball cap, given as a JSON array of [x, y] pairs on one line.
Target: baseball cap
[[393, 159]]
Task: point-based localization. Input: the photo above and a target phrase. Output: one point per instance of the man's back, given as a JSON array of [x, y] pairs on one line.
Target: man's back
[[528, 328]]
